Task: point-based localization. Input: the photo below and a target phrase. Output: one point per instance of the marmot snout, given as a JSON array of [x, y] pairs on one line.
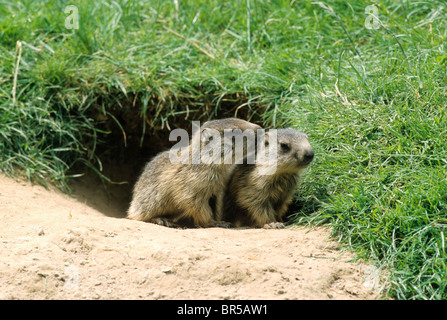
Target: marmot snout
[[294, 151]]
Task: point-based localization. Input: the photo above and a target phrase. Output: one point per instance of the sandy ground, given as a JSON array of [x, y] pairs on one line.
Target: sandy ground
[[56, 247]]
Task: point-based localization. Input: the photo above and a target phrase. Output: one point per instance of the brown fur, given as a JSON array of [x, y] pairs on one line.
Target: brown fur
[[259, 200], [172, 194]]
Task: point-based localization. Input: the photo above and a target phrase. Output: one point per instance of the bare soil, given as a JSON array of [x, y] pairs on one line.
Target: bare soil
[[54, 246]]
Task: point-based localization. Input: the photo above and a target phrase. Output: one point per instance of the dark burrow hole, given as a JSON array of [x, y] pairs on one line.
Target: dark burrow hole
[[121, 166], [123, 159], [123, 154]]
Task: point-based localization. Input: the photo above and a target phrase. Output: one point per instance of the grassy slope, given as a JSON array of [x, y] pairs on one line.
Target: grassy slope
[[372, 101]]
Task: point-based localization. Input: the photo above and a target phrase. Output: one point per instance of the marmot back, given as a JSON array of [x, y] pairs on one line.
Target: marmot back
[[256, 199], [171, 194]]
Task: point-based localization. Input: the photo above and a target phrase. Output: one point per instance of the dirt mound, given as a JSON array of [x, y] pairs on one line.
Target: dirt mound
[[56, 247]]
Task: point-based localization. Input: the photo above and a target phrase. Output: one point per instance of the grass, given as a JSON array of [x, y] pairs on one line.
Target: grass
[[373, 102]]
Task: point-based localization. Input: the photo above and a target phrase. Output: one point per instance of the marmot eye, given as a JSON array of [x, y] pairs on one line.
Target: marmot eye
[[285, 147]]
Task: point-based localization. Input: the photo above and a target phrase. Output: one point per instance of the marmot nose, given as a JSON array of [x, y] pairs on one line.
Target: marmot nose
[[308, 156]]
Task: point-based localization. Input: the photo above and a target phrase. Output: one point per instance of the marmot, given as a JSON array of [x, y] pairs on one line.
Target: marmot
[[254, 198], [173, 194]]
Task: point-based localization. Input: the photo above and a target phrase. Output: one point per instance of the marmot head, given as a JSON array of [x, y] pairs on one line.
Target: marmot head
[[228, 141], [293, 150]]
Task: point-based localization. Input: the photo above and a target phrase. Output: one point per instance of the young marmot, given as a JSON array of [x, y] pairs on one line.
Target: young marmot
[[258, 198], [173, 194]]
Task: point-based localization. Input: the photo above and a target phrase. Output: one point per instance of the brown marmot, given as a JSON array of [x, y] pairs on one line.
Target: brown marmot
[[260, 199], [191, 193]]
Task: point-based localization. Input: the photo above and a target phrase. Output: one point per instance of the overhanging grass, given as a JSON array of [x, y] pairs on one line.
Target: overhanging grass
[[372, 101]]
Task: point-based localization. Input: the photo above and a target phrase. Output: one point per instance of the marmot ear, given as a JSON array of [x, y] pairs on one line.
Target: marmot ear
[[206, 133], [266, 138]]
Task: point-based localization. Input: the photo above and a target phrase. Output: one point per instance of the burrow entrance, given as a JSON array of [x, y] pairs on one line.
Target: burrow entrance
[[124, 152], [121, 165]]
